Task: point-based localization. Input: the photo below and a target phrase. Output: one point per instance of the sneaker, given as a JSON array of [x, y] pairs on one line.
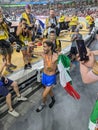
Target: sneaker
[[13, 113], [25, 67], [21, 98], [40, 108], [13, 66], [52, 104], [34, 56], [29, 65], [9, 70]]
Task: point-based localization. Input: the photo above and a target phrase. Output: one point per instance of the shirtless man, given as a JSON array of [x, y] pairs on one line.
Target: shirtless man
[[49, 72]]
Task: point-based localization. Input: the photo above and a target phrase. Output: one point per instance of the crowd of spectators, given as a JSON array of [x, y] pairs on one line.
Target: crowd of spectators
[[39, 10]]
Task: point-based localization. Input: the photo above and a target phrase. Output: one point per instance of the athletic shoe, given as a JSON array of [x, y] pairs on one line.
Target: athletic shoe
[[13, 66], [29, 65], [13, 113], [34, 56], [52, 104], [21, 98], [25, 67], [9, 70], [40, 108]]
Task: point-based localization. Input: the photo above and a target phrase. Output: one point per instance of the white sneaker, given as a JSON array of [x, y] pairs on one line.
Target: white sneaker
[[13, 113], [21, 98]]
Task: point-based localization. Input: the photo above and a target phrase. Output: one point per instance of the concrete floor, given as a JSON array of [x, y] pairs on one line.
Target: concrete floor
[[67, 113]]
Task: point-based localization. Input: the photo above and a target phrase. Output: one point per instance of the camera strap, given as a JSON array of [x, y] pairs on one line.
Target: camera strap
[[30, 18], [54, 19]]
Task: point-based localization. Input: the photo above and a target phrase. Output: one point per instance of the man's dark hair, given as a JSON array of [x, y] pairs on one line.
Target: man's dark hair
[[49, 44], [51, 9], [53, 32], [23, 19]]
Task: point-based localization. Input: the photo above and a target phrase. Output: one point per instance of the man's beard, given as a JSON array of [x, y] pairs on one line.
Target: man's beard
[[46, 52]]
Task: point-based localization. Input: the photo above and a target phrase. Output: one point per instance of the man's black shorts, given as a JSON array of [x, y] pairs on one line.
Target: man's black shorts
[[4, 89]]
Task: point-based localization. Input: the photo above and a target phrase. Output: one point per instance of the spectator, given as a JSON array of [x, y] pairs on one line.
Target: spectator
[[55, 41], [73, 51], [52, 23], [25, 36], [89, 69], [90, 22], [30, 19], [62, 21], [73, 22], [4, 84], [5, 45]]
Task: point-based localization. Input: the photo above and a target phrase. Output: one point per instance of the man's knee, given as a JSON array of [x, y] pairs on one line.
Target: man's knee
[[8, 96], [44, 95], [46, 92], [14, 84]]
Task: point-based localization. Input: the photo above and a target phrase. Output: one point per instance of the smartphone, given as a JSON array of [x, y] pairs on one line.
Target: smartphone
[[82, 50]]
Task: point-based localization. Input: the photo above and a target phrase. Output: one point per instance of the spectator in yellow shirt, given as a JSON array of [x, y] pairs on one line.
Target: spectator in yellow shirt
[[74, 22], [90, 22], [62, 21]]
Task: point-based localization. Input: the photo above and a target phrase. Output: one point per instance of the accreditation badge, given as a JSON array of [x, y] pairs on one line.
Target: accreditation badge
[[12, 30], [26, 42], [2, 33]]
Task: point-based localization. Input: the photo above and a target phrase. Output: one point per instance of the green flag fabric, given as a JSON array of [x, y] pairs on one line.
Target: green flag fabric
[[93, 117]]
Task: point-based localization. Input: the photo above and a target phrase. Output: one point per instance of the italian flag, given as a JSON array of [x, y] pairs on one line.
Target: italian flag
[[65, 79], [93, 118]]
